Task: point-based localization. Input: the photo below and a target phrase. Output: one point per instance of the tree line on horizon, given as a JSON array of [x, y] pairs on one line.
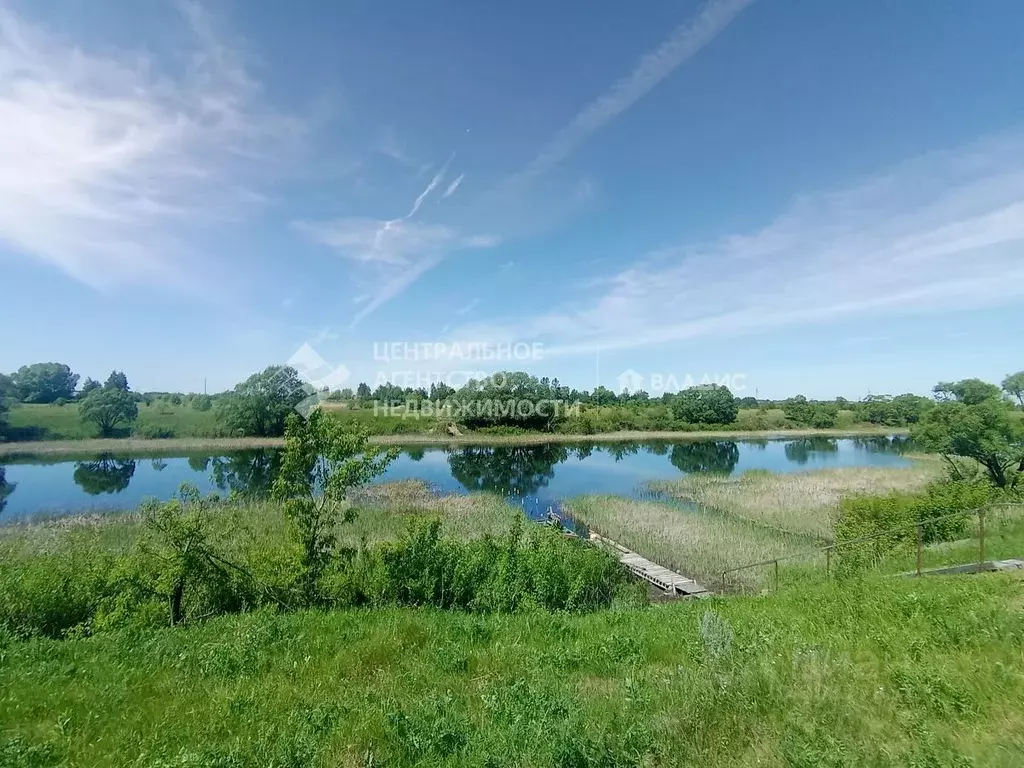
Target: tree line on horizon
[[258, 406]]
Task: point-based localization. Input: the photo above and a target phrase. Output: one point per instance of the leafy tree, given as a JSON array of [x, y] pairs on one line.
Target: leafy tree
[[748, 402], [108, 407], [706, 404], [908, 408], [1013, 385], [259, 406], [513, 399], [320, 463], [967, 391], [701, 456], [202, 402], [985, 431], [177, 547], [363, 391], [603, 396], [106, 475], [88, 386], [6, 388], [44, 382], [440, 392], [116, 380]]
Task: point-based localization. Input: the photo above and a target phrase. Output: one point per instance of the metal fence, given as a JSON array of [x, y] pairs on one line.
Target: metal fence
[[830, 551]]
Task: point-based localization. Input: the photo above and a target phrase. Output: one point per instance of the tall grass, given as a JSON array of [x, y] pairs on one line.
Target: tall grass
[[805, 503], [881, 672], [697, 543]]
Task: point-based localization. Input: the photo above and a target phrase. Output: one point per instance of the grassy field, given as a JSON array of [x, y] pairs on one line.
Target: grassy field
[[63, 422], [799, 502], [877, 672]]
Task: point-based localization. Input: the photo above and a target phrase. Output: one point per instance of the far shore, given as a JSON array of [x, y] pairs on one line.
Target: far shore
[[210, 446]]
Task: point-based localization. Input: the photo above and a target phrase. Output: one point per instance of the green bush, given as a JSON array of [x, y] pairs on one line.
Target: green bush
[[540, 568], [867, 515]]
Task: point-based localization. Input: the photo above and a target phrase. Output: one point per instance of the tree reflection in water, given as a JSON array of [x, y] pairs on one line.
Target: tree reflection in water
[[518, 470], [249, 474], [719, 456], [6, 489], [105, 475], [799, 451]]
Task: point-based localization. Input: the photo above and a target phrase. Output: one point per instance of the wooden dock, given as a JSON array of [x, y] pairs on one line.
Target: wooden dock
[[669, 582]]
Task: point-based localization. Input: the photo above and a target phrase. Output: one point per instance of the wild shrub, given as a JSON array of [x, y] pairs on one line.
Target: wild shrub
[[539, 568], [935, 509]]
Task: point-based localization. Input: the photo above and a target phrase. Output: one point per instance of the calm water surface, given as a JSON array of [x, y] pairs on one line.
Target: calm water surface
[[537, 473]]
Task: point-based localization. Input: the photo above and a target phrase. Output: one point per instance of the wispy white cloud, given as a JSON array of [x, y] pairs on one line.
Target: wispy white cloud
[[685, 41], [654, 67], [454, 185], [105, 163], [941, 231], [397, 242], [465, 310]]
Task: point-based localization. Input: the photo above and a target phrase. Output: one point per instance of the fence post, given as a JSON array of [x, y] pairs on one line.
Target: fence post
[[920, 543], [981, 537], [723, 582], [776, 575], [828, 562]]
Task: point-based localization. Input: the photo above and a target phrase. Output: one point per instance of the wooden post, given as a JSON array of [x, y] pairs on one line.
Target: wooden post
[[828, 562], [921, 538], [723, 582], [981, 537], [776, 575]]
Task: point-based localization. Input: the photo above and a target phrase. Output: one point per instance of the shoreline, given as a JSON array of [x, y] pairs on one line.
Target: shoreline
[[209, 446]]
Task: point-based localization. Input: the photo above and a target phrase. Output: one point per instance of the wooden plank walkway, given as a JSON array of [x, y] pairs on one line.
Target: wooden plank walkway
[[669, 582]]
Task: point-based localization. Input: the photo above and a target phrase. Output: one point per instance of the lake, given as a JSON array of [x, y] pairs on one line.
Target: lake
[[533, 474]]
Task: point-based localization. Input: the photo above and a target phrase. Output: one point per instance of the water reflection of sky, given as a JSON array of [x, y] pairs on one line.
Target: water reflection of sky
[[547, 471]]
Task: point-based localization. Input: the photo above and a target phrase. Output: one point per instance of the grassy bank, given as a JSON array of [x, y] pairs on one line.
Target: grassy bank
[[186, 446], [63, 422], [799, 502], [881, 672]]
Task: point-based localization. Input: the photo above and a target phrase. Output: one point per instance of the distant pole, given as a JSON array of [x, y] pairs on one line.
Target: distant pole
[[204, 385]]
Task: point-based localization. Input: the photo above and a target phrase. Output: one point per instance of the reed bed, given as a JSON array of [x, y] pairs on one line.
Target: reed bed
[[697, 543], [805, 503]]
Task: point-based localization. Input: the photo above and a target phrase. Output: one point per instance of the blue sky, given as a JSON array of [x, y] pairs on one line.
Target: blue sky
[[824, 198]]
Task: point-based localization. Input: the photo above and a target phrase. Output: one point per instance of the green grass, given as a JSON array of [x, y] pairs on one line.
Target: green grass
[[884, 672], [694, 542], [798, 502], [63, 422]]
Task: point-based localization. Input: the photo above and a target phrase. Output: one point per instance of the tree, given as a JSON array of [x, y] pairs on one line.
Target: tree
[[363, 391], [320, 463], [985, 431], [202, 402], [506, 398], [6, 387], [967, 391], [88, 386], [108, 407], [706, 404], [1013, 385], [116, 380], [259, 406], [44, 382]]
